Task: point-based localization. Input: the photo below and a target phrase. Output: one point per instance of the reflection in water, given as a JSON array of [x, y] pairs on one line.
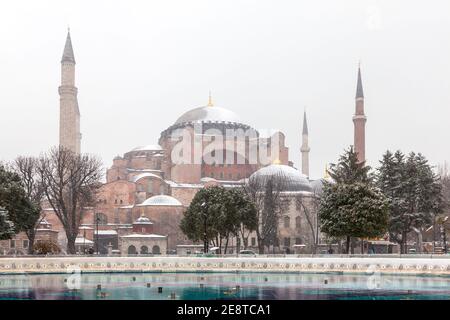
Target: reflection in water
[[206, 286]]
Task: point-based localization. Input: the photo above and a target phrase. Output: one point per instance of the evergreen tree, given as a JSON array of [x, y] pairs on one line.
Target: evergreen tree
[[14, 200], [349, 170], [353, 210], [352, 206], [221, 213], [6, 225], [413, 191]]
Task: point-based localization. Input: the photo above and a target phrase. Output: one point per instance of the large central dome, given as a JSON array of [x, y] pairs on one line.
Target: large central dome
[[208, 113]]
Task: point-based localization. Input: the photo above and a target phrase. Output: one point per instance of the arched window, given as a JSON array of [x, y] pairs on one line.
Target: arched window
[[101, 219], [298, 222], [132, 250], [287, 222], [144, 250], [156, 250]]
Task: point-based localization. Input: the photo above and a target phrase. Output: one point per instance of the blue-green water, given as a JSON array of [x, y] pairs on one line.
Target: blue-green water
[[207, 286]]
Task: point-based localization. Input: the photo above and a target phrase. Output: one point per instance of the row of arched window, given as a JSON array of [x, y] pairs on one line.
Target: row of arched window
[[143, 250], [287, 222]]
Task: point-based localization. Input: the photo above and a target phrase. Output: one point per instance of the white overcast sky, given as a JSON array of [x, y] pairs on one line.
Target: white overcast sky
[[141, 64]]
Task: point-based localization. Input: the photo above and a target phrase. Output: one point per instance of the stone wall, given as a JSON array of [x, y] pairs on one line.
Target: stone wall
[[418, 266]]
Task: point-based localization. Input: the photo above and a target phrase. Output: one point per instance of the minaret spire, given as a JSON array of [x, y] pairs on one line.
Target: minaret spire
[[69, 121], [305, 147], [359, 87], [305, 124], [68, 55], [359, 121]]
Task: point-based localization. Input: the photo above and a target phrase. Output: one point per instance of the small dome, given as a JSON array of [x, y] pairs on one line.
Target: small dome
[[209, 113], [317, 185], [294, 179], [161, 200], [143, 220], [150, 147]]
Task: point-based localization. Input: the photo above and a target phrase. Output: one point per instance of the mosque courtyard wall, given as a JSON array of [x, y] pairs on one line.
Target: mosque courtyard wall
[[427, 265]]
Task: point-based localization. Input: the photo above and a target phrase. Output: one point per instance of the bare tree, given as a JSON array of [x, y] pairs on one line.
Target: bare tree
[[27, 169], [266, 194], [310, 213], [70, 183]]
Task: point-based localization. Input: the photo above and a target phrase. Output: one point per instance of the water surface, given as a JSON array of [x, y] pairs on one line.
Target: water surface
[[207, 286]]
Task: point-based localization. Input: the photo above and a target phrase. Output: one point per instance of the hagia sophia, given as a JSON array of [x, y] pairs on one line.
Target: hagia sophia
[[147, 189]]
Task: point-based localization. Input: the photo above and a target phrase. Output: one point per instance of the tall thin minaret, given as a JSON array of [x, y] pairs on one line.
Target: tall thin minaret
[[69, 113], [305, 147], [359, 121]]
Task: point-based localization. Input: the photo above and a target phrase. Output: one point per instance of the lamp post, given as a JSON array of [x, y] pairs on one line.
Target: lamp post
[[97, 220], [205, 237]]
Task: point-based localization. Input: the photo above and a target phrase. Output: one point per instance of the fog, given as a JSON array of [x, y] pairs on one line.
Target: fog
[[141, 64]]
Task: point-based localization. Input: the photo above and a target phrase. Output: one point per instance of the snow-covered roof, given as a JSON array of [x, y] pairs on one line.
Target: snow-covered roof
[[127, 207], [85, 228], [183, 185], [143, 170], [149, 147], [208, 113], [46, 230], [139, 235], [106, 232], [161, 200], [143, 220], [293, 179], [82, 240]]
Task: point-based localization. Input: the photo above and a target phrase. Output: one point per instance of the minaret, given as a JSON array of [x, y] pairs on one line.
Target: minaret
[[305, 147], [69, 114], [359, 121]]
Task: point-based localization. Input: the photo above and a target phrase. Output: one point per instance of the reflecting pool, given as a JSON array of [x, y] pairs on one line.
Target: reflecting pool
[[207, 286]]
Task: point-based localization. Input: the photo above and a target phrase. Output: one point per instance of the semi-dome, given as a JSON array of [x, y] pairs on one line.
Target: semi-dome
[[145, 175], [293, 179], [161, 200], [209, 113]]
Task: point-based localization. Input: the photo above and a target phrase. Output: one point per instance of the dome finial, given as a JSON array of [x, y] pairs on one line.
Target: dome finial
[[210, 103], [276, 161]]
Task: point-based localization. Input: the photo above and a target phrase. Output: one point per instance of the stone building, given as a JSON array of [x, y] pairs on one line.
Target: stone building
[[142, 240], [19, 244], [297, 229]]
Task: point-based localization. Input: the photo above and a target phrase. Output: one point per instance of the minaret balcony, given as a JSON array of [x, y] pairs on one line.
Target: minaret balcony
[[305, 149], [68, 90], [358, 117]]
